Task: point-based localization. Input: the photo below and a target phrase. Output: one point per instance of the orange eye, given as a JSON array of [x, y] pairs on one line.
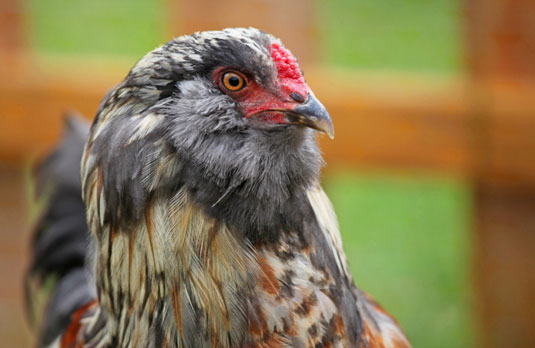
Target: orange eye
[[232, 81]]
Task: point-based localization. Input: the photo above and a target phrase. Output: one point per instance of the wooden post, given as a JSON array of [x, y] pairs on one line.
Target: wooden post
[[501, 58], [11, 27], [505, 267], [292, 21]]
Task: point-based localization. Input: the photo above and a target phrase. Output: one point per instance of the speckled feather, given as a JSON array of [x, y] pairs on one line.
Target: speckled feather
[[210, 229]]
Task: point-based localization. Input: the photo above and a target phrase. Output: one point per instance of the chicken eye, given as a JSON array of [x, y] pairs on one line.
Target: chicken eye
[[232, 81]]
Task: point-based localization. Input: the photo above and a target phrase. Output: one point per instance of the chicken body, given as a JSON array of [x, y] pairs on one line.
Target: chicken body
[[200, 178]]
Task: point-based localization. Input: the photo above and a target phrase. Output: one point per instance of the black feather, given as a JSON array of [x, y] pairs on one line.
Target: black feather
[[60, 243]]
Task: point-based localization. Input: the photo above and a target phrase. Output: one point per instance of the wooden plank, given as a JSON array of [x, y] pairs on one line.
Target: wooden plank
[[395, 121], [391, 121], [502, 122], [33, 103], [413, 124]]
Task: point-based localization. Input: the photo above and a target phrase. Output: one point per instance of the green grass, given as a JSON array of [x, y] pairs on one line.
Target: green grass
[[111, 27], [407, 241], [412, 35]]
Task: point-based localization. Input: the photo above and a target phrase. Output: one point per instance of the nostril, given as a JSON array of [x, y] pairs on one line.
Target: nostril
[[297, 97]]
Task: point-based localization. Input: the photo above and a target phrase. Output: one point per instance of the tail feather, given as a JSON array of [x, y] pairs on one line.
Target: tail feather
[[60, 245]]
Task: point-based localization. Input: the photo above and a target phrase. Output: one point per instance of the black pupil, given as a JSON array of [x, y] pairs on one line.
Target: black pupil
[[234, 81]]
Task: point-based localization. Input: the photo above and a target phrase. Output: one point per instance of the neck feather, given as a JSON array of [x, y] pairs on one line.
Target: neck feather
[[176, 272]]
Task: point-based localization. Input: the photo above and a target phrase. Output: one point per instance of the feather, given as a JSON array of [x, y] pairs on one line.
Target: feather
[[208, 223]]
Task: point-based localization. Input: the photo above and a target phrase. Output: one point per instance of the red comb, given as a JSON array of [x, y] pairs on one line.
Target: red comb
[[288, 69]]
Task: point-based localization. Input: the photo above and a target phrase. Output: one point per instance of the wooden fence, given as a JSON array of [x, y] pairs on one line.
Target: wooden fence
[[480, 125]]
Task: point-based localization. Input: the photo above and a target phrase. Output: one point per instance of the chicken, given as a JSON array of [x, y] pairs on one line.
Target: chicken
[[208, 225]]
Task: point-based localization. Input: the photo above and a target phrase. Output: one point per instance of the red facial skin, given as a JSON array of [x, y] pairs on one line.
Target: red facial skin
[[256, 101]]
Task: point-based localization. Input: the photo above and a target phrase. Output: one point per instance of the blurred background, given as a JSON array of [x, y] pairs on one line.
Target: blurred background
[[432, 171]]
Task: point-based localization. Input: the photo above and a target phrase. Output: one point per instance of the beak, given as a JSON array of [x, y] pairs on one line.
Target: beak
[[313, 114]]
